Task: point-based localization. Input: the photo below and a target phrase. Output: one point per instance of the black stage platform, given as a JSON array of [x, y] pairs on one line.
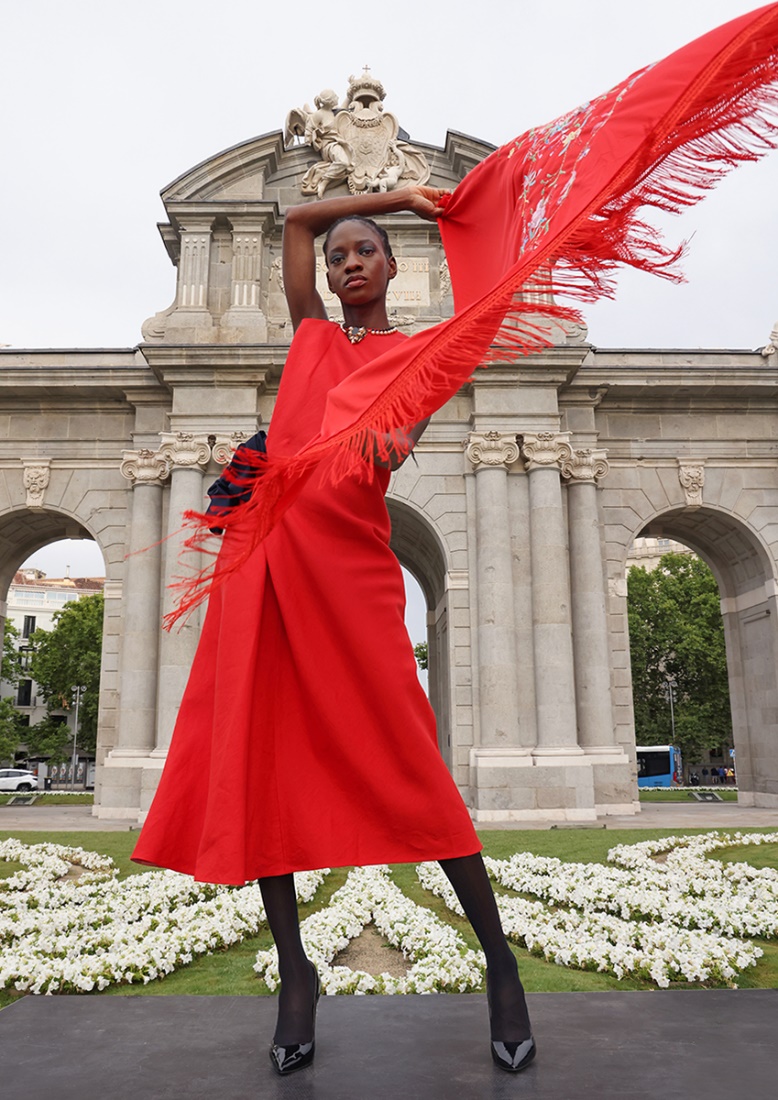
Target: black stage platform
[[711, 1045]]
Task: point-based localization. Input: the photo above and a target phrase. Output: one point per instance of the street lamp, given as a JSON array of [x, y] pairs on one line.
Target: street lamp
[[671, 693], [79, 689]]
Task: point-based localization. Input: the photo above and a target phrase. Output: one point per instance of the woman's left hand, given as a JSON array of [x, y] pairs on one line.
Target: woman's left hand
[[428, 202]]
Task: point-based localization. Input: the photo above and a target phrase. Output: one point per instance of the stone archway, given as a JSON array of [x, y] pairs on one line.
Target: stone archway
[[420, 550], [747, 586], [518, 539], [25, 530]]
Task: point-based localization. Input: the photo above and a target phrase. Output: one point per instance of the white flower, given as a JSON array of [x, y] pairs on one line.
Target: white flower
[[660, 910], [89, 932], [440, 959]]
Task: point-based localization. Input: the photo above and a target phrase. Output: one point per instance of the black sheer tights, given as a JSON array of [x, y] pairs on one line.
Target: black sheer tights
[[298, 982], [507, 1006], [509, 1016]]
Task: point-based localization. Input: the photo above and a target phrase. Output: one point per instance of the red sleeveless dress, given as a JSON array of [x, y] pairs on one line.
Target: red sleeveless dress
[[304, 738]]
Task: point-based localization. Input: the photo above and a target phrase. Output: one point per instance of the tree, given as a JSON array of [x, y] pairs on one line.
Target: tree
[[12, 662], [421, 654], [10, 730], [66, 657], [676, 637], [50, 738], [10, 724]]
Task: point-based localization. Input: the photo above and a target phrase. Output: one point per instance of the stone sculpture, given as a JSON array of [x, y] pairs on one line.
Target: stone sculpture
[[772, 346], [36, 481], [691, 475], [358, 142]]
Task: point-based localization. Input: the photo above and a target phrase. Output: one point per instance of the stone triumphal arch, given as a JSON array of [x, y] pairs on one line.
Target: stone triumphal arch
[[516, 517]]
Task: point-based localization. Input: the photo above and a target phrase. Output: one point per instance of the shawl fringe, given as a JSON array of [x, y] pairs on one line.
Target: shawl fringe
[[727, 115]]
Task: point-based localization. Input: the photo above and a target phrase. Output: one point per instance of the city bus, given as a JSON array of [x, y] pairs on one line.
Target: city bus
[[659, 766]]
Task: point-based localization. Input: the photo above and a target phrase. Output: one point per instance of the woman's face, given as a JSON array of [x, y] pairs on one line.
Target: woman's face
[[358, 269]]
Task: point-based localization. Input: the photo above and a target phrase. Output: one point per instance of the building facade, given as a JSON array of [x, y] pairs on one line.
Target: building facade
[[646, 553], [530, 487], [33, 602]]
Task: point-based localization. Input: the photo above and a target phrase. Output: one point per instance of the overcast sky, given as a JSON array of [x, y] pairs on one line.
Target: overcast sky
[[106, 103]]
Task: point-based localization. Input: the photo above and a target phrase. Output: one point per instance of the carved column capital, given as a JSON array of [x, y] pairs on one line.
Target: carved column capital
[[144, 467], [490, 449], [226, 446], [691, 474], [545, 450], [37, 472], [184, 449], [585, 465]]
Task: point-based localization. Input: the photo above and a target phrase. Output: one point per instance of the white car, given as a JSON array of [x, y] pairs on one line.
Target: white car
[[14, 779]]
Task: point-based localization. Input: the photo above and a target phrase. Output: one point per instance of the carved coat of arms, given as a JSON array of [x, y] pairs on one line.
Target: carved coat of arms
[[358, 142]]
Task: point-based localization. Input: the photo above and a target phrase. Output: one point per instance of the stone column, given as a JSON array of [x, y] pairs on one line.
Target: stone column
[[544, 453], [244, 322], [491, 454], [193, 269], [591, 652], [518, 501], [146, 470], [191, 319], [186, 455]]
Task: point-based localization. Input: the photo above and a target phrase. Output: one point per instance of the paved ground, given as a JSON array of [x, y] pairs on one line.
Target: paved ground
[[679, 1045], [653, 815], [593, 1046], [696, 815], [57, 819]]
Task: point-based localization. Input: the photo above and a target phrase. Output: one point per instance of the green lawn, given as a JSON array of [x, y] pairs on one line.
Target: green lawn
[[671, 795], [230, 971], [55, 798]]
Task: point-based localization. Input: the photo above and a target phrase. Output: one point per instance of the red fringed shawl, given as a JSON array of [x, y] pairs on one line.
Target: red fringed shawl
[[555, 210]]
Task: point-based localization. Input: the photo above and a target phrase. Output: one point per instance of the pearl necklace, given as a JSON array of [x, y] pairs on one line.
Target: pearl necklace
[[355, 334]]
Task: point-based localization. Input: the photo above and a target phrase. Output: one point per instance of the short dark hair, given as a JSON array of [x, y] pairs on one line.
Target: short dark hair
[[377, 229]]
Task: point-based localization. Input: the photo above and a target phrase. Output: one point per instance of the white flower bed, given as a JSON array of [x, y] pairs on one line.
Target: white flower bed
[[690, 790], [75, 935], [682, 919], [674, 921], [51, 791], [441, 960]]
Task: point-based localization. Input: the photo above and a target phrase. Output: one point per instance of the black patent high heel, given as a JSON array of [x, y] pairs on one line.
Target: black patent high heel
[[287, 1059], [512, 1057]]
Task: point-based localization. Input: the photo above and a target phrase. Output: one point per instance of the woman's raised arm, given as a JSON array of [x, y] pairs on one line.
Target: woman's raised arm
[[304, 223]]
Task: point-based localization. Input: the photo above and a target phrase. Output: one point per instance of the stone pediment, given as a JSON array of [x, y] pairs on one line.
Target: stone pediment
[[254, 170], [235, 174], [224, 237]]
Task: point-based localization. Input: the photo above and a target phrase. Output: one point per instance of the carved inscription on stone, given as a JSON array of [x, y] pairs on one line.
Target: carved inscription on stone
[[410, 287]]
